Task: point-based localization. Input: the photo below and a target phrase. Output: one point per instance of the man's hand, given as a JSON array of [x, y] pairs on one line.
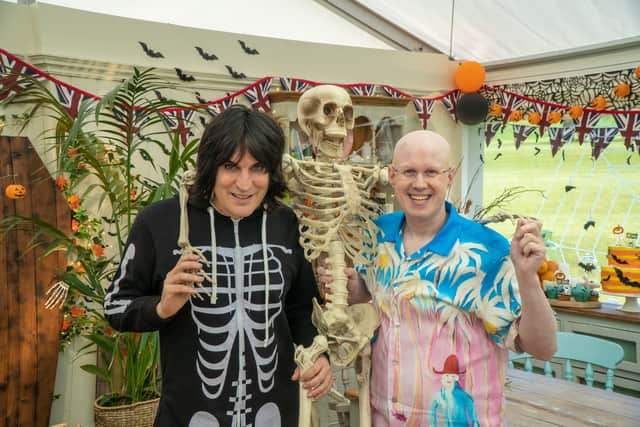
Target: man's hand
[[527, 247], [176, 289], [356, 287], [317, 380]]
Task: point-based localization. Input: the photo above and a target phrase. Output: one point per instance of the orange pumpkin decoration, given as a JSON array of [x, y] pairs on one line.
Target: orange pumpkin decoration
[[469, 76], [618, 229], [544, 267], [599, 103], [575, 112], [15, 191], [515, 116], [621, 90], [638, 71], [560, 275], [495, 110], [555, 117], [534, 118]]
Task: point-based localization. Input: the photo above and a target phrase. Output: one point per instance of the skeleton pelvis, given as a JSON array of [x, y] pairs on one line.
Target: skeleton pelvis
[[347, 331]]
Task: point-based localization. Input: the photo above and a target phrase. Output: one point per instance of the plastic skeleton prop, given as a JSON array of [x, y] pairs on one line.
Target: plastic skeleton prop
[[335, 208]]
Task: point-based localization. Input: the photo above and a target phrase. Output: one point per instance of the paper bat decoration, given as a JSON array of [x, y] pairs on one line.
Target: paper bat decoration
[[247, 49], [203, 122], [206, 56], [590, 223], [568, 188], [499, 143], [159, 95], [150, 52], [200, 99], [497, 156], [588, 267], [481, 159], [234, 73], [629, 160], [563, 158], [537, 151], [184, 77]]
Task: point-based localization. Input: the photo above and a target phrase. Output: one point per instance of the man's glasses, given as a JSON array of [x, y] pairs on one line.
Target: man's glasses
[[412, 174]]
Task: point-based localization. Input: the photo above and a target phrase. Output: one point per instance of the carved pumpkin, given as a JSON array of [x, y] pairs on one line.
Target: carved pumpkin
[[621, 90], [495, 109], [555, 117], [618, 229], [515, 116], [599, 103], [15, 191], [575, 112], [560, 275], [534, 118]]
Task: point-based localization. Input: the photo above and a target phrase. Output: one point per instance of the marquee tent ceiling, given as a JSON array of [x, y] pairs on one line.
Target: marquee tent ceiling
[[488, 31]]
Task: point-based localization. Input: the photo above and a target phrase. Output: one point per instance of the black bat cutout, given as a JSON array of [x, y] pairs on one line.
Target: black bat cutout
[[625, 280], [247, 49], [497, 156], [203, 122], [537, 151], [568, 188], [629, 160], [199, 98], [590, 223], [618, 260], [481, 159], [184, 77], [159, 95], [235, 74], [588, 267], [205, 55], [150, 52], [499, 143], [563, 158]]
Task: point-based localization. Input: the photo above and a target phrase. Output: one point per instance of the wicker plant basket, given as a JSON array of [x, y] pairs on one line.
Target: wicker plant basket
[[141, 414]]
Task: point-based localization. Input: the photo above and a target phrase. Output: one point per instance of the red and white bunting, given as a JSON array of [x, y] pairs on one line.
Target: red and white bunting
[[12, 70], [629, 126], [180, 121], [450, 101], [490, 131], [510, 102], [544, 110], [586, 124], [521, 132], [559, 136], [294, 85], [218, 107], [600, 139], [70, 98], [423, 107], [257, 94], [393, 92], [363, 89]]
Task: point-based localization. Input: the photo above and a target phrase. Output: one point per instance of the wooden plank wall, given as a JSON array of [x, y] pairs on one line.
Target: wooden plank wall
[[28, 331]]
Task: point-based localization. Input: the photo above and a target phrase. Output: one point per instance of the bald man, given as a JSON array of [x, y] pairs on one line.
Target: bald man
[[447, 288]]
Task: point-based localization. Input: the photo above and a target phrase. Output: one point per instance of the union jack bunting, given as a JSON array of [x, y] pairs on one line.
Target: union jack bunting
[[600, 139], [585, 124], [119, 114], [363, 89], [423, 107], [559, 136], [450, 101], [219, 106], [394, 93], [509, 103], [180, 121], [521, 132], [257, 95], [294, 85], [11, 70], [490, 131], [544, 110], [629, 126], [70, 98]]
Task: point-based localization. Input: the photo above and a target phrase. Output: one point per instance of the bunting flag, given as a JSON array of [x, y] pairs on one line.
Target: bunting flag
[[11, 70], [70, 98], [585, 124], [544, 110], [423, 107], [395, 93], [509, 102], [293, 85], [257, 94], [217, 107], [629, 126], [363, 89], [450, 101], [180, 121], [521, 132], [119, 114], [490, 131], [600, 139], [559, 136]]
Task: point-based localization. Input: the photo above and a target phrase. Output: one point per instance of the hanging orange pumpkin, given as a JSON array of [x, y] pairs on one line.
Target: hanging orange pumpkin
[[495, 109], [555, 117], [621, 90], [618, 229], [575, 112], [515, 116], [15, 191], [469, 76], [599, 103], [534, 118]]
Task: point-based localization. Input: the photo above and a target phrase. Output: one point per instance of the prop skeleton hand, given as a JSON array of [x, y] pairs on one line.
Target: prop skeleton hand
[[176, 289], [56, 295]]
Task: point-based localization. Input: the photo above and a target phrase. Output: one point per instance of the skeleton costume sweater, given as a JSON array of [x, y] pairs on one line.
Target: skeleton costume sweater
[[218, 367]]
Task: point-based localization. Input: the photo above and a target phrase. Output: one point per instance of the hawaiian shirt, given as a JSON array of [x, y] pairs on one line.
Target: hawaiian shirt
[[448, 317]]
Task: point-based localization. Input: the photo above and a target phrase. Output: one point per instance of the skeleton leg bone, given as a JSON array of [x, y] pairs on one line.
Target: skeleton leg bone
[[305, 357]]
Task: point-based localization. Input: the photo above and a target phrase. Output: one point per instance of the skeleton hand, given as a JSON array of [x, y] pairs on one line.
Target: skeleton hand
[[176, 289], [356, 287], [56, 295], [318, 379]]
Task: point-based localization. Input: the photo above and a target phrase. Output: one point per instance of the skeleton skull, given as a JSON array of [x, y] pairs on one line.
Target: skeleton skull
[[325, 113]]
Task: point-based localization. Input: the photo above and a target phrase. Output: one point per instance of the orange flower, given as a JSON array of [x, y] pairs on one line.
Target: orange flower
[[132, 195], [79, 267], [98, 249], [61, 181], [66, 323], [308, 202], [108, 330], [75, 225], [74, 202], [72, 152], [555, 117], [77, 311]]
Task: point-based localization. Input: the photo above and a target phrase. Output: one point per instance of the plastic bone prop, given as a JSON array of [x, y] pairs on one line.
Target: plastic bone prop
[[335, 208], [305, 357]]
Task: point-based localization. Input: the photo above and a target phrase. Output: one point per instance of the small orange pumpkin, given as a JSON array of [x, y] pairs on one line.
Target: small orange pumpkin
[[15, 191], [599, 103], [638, 71], [575, 112], [560, 275], [621, 90], [495, 110], [534, 118], [515, 116], [555, 117], [618, 229]]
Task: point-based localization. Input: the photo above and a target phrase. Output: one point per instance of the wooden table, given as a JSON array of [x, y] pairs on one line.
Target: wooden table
[[536, 400]]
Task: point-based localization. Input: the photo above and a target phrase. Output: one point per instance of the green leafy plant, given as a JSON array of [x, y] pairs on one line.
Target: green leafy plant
[[98, 155]]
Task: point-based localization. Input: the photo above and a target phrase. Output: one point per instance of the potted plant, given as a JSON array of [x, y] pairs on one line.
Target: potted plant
[[98, 155]]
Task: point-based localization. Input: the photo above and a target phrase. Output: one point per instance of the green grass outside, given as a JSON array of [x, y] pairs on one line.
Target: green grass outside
[[607, 192]]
